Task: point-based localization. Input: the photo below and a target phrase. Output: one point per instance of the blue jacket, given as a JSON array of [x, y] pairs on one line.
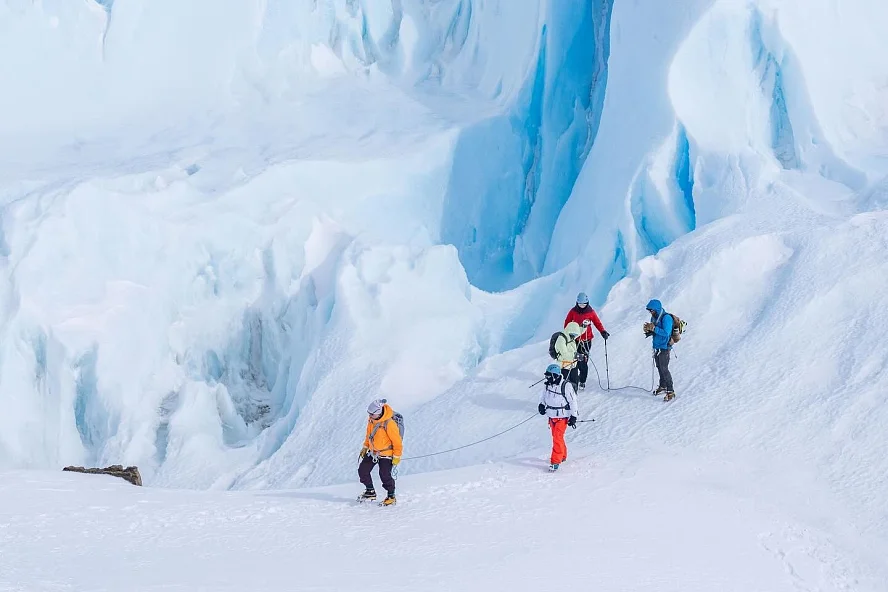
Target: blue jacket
[[662, 325]]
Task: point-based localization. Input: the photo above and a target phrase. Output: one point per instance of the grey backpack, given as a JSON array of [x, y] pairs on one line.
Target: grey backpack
[[399, 421]]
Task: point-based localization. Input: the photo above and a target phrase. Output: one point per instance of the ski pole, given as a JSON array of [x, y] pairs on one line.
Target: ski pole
[[585, 420], [607, 366], [537, 382]]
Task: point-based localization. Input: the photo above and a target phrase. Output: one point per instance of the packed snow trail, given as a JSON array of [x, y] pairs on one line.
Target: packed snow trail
[[672, 522]]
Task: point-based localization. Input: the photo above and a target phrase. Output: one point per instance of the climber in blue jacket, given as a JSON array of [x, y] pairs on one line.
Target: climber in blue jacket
[[660, 328]]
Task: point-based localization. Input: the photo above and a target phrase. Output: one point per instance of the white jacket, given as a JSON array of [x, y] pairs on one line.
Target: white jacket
[[554, 401]]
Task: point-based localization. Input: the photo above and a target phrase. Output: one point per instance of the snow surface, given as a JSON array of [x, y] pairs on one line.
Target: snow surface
[[225, 229], [669, 523]]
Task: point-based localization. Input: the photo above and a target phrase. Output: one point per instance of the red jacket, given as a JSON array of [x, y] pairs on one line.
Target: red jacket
[[579, 315]]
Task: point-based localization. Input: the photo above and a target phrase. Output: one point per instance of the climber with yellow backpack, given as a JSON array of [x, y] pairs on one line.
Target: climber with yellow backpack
[[383, 444]]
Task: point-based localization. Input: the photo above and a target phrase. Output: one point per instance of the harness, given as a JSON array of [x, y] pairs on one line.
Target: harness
[[566, 406], [373, 452]]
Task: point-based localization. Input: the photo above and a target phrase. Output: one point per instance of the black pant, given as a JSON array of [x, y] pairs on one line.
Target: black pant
[[385, 473], [583, 348], [570, 375], [661, 357]]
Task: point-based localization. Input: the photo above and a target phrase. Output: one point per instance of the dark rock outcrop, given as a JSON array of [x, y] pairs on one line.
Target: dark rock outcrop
[[130, 474]]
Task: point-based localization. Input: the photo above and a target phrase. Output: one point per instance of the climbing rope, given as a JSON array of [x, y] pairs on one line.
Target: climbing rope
[[472, 444], [498, 434], [620, 388]]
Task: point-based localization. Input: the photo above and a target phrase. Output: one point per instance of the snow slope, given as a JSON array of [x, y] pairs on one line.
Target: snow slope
[[669, 523]]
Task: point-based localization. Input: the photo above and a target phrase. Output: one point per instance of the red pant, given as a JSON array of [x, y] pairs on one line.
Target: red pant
[[559, 448]]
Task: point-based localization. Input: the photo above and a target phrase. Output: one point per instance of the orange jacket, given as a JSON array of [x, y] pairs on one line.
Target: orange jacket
[[387, 439]]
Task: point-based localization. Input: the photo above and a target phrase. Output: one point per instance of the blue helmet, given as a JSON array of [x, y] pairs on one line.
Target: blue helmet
[[582, 298], [553, 369]]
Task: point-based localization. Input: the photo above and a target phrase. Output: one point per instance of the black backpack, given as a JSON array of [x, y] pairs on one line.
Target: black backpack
[[552, 340]]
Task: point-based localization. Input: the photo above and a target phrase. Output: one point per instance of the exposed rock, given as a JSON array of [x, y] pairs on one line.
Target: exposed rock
[[130, 474]]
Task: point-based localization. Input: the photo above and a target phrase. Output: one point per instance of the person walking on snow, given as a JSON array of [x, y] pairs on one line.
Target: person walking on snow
[[382, 447], [558, 401], [586, 317], [566, 352], [660, 328]]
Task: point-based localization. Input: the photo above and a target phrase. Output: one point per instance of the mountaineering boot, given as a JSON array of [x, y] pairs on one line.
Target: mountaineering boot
[[389, 500], [669, 396], [368, 496], [554, 467], [659, 391], [582, 386]]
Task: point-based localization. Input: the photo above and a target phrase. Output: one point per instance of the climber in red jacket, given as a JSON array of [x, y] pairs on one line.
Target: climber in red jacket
[[585, 316]]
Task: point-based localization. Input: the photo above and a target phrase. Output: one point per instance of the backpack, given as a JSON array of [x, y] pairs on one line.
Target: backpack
[[678, 327], [399, 421], [552, 353]]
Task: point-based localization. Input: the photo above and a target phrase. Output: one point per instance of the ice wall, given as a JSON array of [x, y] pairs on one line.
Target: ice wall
[[213, 235], [513, 173], [719, 94]]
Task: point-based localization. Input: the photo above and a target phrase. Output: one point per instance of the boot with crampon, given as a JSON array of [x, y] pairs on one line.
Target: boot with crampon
[[368, 496]]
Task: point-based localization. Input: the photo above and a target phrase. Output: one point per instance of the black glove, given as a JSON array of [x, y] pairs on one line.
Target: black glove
[[648, 333], [572, 422], [605, 335], [542, 409]]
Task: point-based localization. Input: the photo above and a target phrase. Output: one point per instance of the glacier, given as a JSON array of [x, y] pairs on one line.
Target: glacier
[[226, 228]]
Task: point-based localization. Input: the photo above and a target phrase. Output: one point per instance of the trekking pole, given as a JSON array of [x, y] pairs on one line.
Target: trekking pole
[[585, 420], [607, 366], [537, 382]]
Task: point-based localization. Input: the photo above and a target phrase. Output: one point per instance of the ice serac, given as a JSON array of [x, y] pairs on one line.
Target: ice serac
[[730, 90], [634, 193], [512, 173]]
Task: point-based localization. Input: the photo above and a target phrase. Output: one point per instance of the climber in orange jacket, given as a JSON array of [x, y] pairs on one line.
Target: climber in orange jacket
[[383, 447]]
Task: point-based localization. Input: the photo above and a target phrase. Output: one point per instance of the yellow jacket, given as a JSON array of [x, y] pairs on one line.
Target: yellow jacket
[[386, 438]]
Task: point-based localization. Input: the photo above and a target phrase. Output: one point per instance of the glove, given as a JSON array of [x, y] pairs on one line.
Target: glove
[[605, 335], [648, 327], [396, 460], [364, 452], [648, 333], [542, 409], [572, 422]]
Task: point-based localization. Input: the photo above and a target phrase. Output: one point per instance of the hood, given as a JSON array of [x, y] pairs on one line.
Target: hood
[[573, 328], [387, 413], [656, 306]]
